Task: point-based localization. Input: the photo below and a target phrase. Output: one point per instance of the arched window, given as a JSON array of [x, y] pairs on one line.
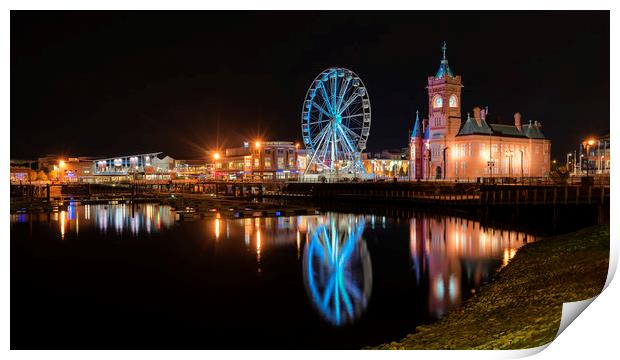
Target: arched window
[[437, 101], [453, 102]]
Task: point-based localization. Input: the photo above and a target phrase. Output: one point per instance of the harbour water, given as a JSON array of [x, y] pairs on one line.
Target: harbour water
[[109, 276]]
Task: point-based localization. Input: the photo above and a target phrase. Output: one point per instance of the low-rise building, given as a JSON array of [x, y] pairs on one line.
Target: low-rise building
[[268, 160], [192, 169], [595, 156], [149, 166]]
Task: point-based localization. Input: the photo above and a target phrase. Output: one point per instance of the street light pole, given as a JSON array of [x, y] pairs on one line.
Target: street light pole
[[587, 144], [521, 164]]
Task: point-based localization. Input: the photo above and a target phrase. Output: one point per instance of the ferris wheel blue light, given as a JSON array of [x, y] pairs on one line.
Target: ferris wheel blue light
[[336, 121]]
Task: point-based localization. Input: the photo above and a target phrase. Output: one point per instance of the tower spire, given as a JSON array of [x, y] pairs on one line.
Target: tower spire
[[417, 127], [444, 47], [444, 68]]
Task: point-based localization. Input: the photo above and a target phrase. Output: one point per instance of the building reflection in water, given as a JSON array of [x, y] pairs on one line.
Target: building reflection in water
[[336, 267], [454, 253], [118, 218], [449, 255]]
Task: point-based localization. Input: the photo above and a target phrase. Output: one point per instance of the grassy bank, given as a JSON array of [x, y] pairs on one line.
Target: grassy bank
[[522, 306]]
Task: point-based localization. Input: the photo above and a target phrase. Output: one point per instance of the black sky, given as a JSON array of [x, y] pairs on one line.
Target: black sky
[[111, 83]]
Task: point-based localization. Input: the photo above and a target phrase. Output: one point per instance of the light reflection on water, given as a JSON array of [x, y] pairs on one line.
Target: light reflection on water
[[447, 251], [121, 218], [337, 268], [449, 255]]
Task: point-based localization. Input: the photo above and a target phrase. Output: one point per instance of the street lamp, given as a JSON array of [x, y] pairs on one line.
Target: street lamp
[[509, 154], [521, 164], [587, 145], [568, 155], [61, 164], [444, 162]]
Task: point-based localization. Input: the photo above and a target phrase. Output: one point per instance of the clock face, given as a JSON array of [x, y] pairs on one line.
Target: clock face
[[453, 102], [437, 101]]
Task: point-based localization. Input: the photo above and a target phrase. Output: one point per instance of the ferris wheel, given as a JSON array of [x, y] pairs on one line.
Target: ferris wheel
[[335, 121]]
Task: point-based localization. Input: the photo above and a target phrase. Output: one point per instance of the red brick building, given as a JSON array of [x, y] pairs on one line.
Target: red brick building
[[442, 146]]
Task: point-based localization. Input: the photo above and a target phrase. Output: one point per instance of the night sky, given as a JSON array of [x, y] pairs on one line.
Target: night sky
[[114, 83]]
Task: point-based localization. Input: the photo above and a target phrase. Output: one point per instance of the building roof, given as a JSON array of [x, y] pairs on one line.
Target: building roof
[[533, 132], [480, 127], [444, 68], [471, 127], [417, 127]]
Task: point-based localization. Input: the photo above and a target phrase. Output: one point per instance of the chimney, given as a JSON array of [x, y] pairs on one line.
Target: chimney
[[477, 113], [518, 120], [483, 114], [537, 124]]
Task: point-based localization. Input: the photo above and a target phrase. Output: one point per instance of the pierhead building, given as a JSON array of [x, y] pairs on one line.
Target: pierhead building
[[443, 146]]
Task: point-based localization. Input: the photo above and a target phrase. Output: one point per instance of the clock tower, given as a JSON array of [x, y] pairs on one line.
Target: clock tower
[[444, 115]]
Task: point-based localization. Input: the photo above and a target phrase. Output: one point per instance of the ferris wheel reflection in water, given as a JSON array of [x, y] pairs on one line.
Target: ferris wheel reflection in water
[[337, 269]]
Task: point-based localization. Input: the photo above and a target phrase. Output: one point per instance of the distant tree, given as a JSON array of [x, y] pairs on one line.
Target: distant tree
[[41, 175], [559, 173]]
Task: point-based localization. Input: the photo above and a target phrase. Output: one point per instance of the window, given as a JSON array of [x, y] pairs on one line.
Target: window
[[437, 101], [256, 162], [267, 163], [453, 102], [280, 162]]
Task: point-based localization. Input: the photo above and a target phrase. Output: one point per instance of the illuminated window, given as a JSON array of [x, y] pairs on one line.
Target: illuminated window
[[267, 163], [437, 101], [453, 102], [256, 162], [280, 162]]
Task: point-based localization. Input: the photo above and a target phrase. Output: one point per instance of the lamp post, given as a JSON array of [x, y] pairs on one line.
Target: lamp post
[[521, 163], [444, 170], [568, 161], [428, 160], [509, 154], [587, 145], [296, 167], [216, 158]]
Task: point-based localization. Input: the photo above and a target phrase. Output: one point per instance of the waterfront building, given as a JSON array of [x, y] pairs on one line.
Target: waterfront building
[[65, 168], [23, 171], [381, 167], [262, 160], [442, 146], [192, 169], [594, 156], [22, 174], [149, 166]]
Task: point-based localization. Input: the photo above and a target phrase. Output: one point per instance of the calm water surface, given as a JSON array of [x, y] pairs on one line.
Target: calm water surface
[[104, 276]]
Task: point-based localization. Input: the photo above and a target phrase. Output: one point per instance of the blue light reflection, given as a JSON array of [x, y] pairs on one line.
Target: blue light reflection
[[337, 268]]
